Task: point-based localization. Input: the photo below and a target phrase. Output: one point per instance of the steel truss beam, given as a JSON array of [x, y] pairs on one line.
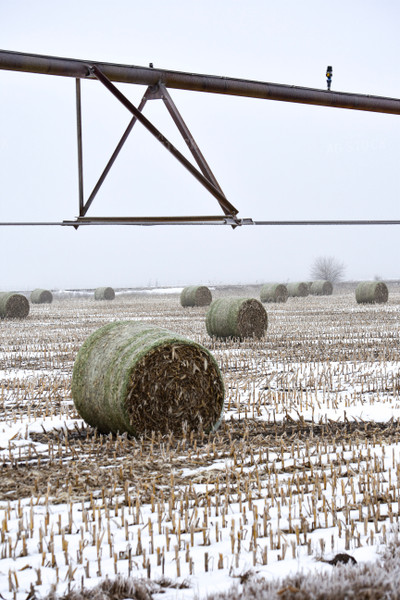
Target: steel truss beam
[[158, 80], [205, 177]]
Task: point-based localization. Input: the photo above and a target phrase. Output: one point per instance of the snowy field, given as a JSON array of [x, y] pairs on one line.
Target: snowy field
[[305, 465]]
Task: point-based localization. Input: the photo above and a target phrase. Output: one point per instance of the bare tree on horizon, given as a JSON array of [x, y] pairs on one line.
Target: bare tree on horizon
[[327, 268]]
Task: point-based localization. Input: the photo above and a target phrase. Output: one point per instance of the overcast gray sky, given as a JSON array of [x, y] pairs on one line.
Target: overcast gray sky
[[274, 160]]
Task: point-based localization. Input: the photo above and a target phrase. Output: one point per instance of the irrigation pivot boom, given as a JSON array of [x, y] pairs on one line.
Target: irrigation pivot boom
[[158, 81]]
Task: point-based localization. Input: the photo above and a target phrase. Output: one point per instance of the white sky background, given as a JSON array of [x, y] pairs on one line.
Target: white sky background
[[273, 160]]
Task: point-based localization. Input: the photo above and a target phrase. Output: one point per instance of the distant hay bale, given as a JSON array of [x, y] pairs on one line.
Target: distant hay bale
[[299, 289], [39, 296], [236, 318], [273, 292], [134, 377], [196, 295], [104, 293], [321, 288], [372, 292], [13, 306]]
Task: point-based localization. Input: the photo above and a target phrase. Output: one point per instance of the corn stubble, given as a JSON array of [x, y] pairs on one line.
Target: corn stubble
[[276, 481]]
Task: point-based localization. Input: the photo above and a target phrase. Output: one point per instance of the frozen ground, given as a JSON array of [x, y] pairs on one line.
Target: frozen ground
[[305, 465]]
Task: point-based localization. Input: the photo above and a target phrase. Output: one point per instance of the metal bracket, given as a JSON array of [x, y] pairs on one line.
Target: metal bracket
[[204, 176]]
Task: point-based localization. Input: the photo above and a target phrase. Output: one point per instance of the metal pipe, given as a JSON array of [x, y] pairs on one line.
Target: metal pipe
[[175, 220], [333, 222], [69, 67]]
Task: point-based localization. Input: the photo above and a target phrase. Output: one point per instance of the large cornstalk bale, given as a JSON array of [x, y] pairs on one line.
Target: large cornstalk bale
[[300, 289], [196, 295], [104, 293], [273, 292], [372, 292], [134, 377], [236, 318], [39, 296], [321, 288], [13, 306]]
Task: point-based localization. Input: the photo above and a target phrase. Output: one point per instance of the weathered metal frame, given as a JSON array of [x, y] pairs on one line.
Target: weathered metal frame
[[226, 206], [205, 177], [158, 81]]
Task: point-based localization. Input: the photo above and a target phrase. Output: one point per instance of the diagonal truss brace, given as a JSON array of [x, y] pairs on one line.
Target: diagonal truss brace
[[204, 176]]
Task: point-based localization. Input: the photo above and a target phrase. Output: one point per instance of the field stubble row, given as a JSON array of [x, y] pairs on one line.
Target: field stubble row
[[298, 460]]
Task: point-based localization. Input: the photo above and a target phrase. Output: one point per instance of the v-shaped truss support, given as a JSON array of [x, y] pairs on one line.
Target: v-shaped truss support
[[204, 174]]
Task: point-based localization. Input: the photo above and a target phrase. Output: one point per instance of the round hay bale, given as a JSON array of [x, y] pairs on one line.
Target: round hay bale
[[273, 292], [134, 377], [41, 297], [196, 295], [104, 293], [299, 289], [372, 292], [321, 288], [236, 318], [13, 305]]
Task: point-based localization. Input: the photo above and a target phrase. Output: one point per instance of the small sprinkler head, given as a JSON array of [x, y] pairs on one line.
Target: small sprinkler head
[[329, 71]]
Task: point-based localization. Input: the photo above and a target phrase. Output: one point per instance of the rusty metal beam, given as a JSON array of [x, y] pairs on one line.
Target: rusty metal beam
[[69, 67]]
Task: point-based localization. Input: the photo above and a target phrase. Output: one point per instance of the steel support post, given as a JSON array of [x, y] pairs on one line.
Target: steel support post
[[79, 140]]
